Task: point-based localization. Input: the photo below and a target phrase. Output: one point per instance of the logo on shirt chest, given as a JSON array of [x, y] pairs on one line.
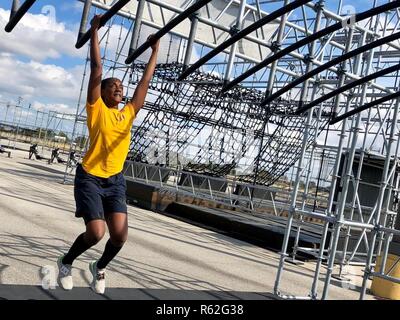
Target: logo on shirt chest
[[120, 117]]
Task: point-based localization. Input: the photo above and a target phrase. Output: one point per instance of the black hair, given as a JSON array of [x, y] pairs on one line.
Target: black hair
[[106, 81]]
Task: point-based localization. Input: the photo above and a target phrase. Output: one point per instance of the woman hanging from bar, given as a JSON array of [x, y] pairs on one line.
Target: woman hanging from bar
[[99, 183]]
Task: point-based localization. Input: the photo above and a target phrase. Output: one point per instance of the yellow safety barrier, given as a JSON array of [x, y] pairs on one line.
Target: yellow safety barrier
[[385, 288]]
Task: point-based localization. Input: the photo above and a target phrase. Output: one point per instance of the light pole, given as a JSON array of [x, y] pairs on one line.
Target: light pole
[[19, 119], [8, 107]]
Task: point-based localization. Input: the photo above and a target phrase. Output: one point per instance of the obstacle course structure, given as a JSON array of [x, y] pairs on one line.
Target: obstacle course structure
[[297, 99]]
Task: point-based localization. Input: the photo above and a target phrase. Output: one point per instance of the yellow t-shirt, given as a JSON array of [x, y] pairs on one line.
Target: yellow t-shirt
[[110, 135]]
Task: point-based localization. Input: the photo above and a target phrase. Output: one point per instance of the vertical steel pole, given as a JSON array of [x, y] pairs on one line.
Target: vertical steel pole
[[8, 107], [357, 180], [18, 124], [84, 19], [342, 203], [292, 207], [232, 53], [335, 176], [390, 190], [136, 27], [303, 97], [77, 114], [392, 177], [377, 214], [14, 8], [389, 237], [275, 48], [190, 42]]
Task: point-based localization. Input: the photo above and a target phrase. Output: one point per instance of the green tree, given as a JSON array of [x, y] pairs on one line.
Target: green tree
[[63, 134]]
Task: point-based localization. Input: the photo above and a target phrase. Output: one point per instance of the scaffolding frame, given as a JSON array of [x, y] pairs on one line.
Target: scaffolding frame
[[322, 77], [350, 82]]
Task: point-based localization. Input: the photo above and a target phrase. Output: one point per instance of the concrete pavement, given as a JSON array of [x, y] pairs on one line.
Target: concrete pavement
[[163, 258]]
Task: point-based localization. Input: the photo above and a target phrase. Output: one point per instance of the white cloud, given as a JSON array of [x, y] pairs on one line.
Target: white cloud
[[38, 37], [38, 106], [34, 80]]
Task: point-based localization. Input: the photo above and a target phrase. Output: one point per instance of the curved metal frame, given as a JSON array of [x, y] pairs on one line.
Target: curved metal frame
[[241, 34], [347, 87], [335, 27], [17, 15], [104, 19], [168, 27], [331, 63], [365, 107]]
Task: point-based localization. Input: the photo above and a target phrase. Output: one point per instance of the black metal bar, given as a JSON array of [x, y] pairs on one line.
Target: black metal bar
[[104, 19], [318, 35], [241, 34], [365, 107], [331, 63], [17, 16], [168, 27], [347, 87]]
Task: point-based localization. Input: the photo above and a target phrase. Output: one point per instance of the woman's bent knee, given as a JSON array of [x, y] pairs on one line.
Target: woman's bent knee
[[94, 232], [119, 239]]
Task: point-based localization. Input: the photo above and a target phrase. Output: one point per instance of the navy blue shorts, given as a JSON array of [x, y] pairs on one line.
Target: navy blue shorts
[[96, 197]]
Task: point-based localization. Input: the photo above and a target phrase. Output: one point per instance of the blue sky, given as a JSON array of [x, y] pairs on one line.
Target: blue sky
[[67, 12], [38, 60]]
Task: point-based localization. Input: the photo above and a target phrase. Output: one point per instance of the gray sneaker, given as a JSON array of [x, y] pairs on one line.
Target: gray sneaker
[[98, 284], [64, 274]]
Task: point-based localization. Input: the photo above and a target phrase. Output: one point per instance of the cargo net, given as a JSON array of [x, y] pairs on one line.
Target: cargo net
[[188, 125]]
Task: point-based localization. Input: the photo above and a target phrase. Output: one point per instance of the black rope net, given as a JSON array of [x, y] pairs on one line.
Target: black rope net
[[254, 144]]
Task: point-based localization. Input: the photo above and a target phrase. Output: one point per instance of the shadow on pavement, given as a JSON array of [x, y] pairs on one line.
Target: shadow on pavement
[[26, 292]]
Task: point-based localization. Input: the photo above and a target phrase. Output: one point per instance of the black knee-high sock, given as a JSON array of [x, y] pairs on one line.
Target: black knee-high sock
[[79, 247], [109, 253]]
